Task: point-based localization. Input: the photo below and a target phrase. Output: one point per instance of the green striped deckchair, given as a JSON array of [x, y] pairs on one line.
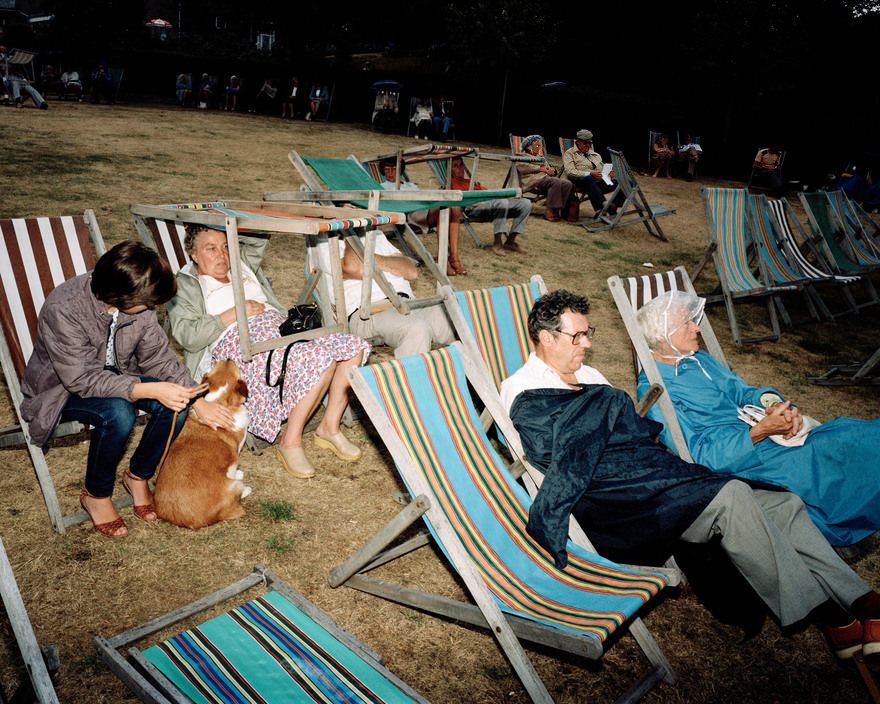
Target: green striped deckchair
[[275, 649], [830, 221], [476, 512], [635, 207], [729, 241]]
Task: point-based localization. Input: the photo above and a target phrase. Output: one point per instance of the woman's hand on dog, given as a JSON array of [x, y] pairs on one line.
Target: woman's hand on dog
[[214, 415]]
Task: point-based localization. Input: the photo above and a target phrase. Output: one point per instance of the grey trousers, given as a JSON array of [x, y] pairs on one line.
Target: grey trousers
[[499, 210], [774, 543], [407, 334]]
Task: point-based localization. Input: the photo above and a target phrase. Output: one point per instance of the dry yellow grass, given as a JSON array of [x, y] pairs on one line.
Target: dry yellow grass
[[78, 156]]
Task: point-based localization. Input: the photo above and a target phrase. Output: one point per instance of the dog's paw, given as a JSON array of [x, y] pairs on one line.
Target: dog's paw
[[234, 473], [245, 491]]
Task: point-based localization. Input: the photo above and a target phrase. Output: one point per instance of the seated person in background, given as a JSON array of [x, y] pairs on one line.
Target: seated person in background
[[230, 94], [18, 84], [691, 152], [182, 90], [421, 117], [423, 220], [50, 81], [583, 166], [541, 178], [767, 168], [318, 99], [264, 102], [72, 84], [203, 320], [102, 85], [206, 91], [406, 334], [293, 105], [497, 211], [836, 471], [82, 370], [636, 501], [662, 155], [441, 117]]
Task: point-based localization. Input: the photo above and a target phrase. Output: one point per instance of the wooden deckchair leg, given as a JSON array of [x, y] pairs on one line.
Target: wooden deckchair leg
[[867, 677]]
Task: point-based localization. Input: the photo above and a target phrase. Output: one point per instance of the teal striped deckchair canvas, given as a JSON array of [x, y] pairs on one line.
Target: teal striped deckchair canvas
[[477, 513], [268, 651], [726, 210], [856, 237], [834, 235]]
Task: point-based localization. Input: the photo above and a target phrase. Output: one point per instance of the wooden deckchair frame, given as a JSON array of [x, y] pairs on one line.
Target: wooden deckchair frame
[[507, 629], [635, 207], [839, 244], [150, 685], [39, 663], [13, 357]]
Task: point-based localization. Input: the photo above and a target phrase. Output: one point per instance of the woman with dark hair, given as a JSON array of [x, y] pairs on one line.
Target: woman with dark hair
[[100, 356]]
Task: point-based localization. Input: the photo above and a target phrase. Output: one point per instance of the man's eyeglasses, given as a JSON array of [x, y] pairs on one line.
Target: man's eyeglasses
[[576, 337]]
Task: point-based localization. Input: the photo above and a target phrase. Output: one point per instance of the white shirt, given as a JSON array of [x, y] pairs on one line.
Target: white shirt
[[353, 287], [535, 374], [404, 186]]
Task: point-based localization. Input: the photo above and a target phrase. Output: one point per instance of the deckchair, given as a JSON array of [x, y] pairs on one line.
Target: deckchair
[[754, 172], [812, 261], [276, 648], [566, 143], [635, 207], [476, 512], [846, 226], [39, 663], [632, 293], [345, 180], [37, 255], [727, 212], [518, 155]]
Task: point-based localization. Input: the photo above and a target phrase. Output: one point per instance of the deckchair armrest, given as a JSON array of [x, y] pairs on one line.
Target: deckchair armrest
[[649, 399]]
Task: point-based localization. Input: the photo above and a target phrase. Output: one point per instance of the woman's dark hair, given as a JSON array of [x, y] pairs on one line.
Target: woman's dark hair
[[131, 274], [547, 312]]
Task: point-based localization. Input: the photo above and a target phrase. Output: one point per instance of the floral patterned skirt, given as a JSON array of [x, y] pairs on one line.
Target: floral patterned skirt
[[306, 363]]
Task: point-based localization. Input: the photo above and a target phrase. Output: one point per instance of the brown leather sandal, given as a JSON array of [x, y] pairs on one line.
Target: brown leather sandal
[[144, 510], [110, 529]]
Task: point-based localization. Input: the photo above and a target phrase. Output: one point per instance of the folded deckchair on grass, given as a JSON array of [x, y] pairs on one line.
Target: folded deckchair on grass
[[635, 207], [801, 250], [476, 512], [40, 664], [729, 217], [277, 648], [37, 255], [345, 180], [258, 217], [632, 293], [831, 218]]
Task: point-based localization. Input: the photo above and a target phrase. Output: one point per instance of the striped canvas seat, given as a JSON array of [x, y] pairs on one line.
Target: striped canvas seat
[[635, 207], [274, 649], [37, 255], [857, 239], [729, 219], [493, 322], [836, 235], [477, 513]]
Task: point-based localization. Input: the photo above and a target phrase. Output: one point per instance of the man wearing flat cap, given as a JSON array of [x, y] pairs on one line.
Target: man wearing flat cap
[[583, 166]]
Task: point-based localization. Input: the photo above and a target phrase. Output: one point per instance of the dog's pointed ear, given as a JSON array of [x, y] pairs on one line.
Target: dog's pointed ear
[[241, 388]]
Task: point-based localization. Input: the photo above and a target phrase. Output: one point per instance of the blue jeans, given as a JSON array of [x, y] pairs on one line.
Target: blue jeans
[[112, 420]]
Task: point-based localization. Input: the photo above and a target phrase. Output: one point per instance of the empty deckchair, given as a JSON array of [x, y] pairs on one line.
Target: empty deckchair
[[635, 207], [811, 260], [831, 218], [726, 214], [632, 293], [779, 269], [865, 373], [276, 648], [422, 409], [39, 663], [37, 255]]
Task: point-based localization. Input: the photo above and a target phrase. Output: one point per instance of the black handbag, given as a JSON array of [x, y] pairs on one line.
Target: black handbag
[[299, 319]]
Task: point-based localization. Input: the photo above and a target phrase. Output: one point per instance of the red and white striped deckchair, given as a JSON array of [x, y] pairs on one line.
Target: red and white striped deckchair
[[37, 255], [476, 512]]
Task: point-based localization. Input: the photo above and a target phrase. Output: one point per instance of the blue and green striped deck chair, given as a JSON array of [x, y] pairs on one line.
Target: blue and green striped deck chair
[[728, 218], [635, 207], [832, 219], [277, 648], [477, 513]]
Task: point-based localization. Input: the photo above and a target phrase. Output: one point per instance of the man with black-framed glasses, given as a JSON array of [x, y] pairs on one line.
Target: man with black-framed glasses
[[639, 503]]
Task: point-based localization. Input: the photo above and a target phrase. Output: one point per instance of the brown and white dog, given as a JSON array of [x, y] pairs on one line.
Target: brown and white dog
[[199, 482]]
